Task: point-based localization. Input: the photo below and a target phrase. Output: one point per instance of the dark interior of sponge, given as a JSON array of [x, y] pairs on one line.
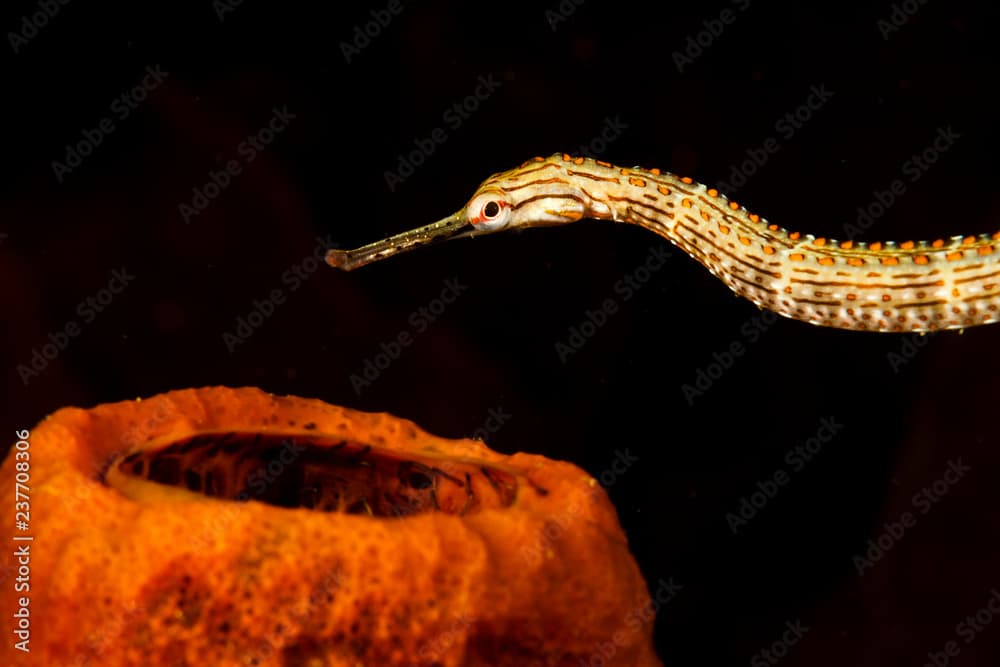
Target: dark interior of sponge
[[321, 474]]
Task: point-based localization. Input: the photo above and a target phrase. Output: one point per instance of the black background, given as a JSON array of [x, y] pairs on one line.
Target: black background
[[494, 347]]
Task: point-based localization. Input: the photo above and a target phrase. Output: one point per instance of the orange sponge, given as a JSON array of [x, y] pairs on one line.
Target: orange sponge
[[231, 527]]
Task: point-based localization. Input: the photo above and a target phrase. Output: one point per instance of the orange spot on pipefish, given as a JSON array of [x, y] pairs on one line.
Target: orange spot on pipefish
[[794, 236], [655, 171], [820, 241], [663, 190], [937, 243], [954, 256], [734, 206], [768, 250], [890, 261], [687, 179], [712, 192], [906, 245], [603, 163], [985, 250], [921, 259], [686, 203], [969, 240], [826, 261], [796, 257], [579, 160], [847, 245], [637, 182], [569, 215], [754, 217], [876, 246], [855, 261]]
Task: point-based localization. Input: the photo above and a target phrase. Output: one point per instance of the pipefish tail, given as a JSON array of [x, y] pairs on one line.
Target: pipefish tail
[[913, 286]]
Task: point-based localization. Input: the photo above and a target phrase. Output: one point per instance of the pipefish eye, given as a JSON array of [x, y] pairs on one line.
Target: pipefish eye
[[489, 211]]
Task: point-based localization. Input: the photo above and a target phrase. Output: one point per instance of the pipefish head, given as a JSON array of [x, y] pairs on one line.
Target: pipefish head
[[532, 195]]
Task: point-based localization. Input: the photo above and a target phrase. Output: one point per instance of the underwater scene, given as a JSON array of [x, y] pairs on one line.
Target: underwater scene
[[440, 334]]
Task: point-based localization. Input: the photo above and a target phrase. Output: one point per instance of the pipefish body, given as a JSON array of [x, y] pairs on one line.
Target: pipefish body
[[913, 286]]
